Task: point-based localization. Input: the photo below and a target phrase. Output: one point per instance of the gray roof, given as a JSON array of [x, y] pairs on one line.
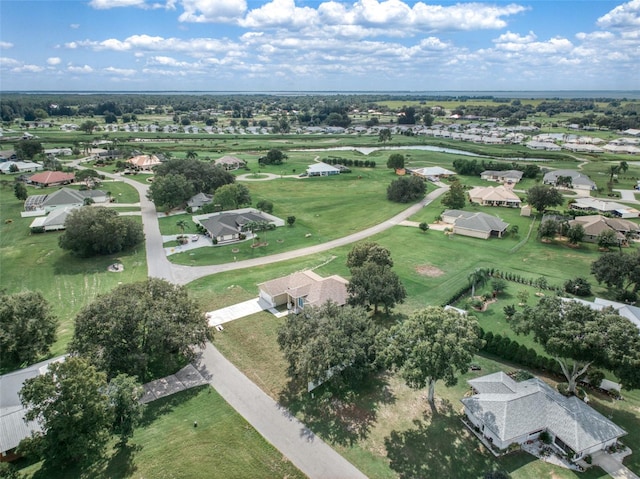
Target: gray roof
[[577, 178], [477, 221], [515, 174], [230, 223], [13, 427], [199, 200], [68, 196], [513, 409], [306, 284]]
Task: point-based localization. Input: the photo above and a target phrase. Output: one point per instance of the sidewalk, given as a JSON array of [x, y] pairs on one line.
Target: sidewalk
[[301, 446]]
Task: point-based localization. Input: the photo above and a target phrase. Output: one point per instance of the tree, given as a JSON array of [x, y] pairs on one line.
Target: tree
[[274, 156], [423, 226], [374, 284], [620, 271], [477, 277], [170, 191], [124, 394], [542, 197], [549, 229], [87, 175], [368, 251], [578, 286], [88, 126], [577, 337], [191, 155], [182, 224], [291, 220], [575, 233], [607, 238], [396, 161], [384, 135], [265, 205], [70, 403], [431, 345], [27, 327], [406, 189], [202, 177], [323, 341], [514, 230], [20, 191], [455, 198], [613, 171], [26, 150], [623, 166], [233, 196], [97, 231], [144, 329]]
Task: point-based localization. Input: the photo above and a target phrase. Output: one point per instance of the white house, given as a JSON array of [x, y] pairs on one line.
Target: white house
[[62, 198], [302, 289], [587, 203], [322, 169], [494, 196], [506, 176], [507, 412], [22, 167], [228, 226], [431, 172], [54, 221]]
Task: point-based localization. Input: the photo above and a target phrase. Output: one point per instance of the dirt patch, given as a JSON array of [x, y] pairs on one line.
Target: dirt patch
[[429, 270]]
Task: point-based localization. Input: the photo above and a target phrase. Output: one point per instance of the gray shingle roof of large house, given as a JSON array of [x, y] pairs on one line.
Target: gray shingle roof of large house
[[577, 178], [512, 409], [477, 221], [230, 223]]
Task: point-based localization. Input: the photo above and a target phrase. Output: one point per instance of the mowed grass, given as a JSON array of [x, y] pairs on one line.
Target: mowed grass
[[168, 446], [35, 262]]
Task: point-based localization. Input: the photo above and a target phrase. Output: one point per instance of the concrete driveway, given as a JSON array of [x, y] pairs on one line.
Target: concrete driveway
[[236, 311], [612, 465]]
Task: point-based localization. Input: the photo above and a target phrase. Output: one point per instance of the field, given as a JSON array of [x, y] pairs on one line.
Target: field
[[167, 445], [386, 428]]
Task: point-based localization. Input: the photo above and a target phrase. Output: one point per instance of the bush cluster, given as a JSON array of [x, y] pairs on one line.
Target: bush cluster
[[510, 350], [349, 162]]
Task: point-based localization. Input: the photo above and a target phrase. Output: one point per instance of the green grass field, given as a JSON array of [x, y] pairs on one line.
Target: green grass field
[[167, 446]]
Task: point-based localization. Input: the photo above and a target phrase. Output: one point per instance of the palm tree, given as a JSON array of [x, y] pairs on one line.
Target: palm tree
[[478, 276], [623, 166], [191, 155], [182, 224], [613, 170]]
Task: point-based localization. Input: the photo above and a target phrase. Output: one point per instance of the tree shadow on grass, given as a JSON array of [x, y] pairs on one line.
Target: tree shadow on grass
[[69, 264], [166, 405], [339, 416], [440, 446]]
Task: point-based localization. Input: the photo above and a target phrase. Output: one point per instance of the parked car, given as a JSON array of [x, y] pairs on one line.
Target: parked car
[[195, 238]]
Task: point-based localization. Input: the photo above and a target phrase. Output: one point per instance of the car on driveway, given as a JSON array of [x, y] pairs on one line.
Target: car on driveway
[[195, 238]]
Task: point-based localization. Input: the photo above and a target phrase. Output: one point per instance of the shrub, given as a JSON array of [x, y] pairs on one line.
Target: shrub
[[578, 286], [521, 375], [545, 437]]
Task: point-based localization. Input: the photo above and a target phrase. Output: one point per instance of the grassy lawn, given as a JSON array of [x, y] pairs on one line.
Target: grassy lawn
[[168, 446], [35, 262]]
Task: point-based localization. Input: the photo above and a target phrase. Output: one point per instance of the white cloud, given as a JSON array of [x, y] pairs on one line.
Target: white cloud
[[515, 38], [6, 62], [6, 45], [279, 13], [27, 68], [74, 26], [623, 16], [216, 11], [170, 62], [53, 61], [119, 71], [82, 69]]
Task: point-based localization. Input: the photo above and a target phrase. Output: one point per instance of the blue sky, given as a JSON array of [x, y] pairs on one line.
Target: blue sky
[[311, 45]]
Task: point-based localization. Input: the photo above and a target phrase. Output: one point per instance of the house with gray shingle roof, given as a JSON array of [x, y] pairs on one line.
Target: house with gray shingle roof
[[228, 226], [198, 201], [506, 412], [475, 224], [63, 198], [506, 176], [304, 288], [579, 181]]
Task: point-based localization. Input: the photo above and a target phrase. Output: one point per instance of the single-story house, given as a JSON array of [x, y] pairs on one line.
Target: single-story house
[[322, 169], [54, 221], [227, 226], [198, 201], [579, 181], [13, 427], [587, 203], [63, 198], [58, 151], [494, 196], [22, 167], [144, 162], [508, 412], [476, 225], [302, 289], [230, 162], [432, 173], [594, 225], [632, 313], [52, 178], [506, 176], [542, 145], [8, 155]]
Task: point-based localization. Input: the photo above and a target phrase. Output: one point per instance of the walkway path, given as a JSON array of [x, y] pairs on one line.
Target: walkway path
[[301, 446]]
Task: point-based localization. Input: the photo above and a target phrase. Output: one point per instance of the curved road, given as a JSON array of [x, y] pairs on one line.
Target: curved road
[[293, 439]]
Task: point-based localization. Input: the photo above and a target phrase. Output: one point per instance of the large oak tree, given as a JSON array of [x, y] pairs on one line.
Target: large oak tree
[[577, 337], [431, 345], [145, 329]]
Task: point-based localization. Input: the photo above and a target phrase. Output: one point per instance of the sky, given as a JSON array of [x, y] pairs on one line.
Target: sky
[[319, 45]]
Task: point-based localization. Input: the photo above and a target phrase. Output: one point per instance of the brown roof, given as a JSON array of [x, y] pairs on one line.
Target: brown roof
[[49, 177], [144, 161], [595, 224], [316, 289]]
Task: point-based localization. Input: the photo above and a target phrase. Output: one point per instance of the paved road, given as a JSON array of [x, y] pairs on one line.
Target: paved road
[[304, 449]]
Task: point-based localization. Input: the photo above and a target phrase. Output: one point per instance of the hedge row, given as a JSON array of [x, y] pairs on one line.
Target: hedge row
[[510, 350], [349, 162]]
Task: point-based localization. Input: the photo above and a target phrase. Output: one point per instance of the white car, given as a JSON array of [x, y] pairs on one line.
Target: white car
[[195, 238]]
